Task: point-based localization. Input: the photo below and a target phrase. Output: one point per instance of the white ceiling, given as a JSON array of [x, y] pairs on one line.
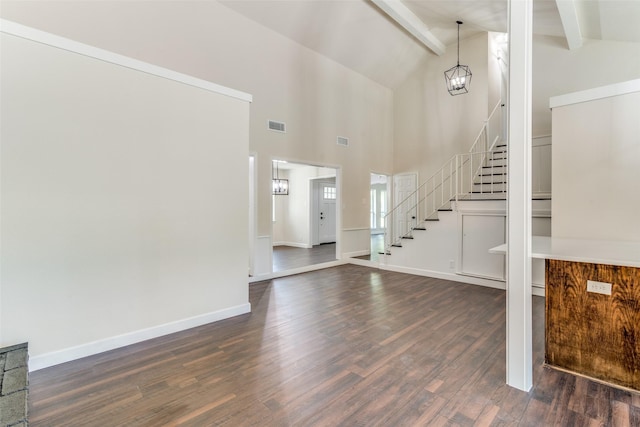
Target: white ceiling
[[359, 35]]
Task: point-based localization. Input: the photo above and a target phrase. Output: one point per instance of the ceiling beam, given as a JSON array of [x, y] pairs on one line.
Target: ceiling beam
[[569, 18], [410, 22]]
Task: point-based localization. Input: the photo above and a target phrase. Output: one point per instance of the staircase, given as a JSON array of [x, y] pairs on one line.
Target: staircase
[[491, 180], [480, 174]]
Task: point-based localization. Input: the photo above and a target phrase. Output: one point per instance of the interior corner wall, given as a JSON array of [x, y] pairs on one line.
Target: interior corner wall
[[596, 153], [114, 219], [496, 66], [558, 71], [291, 227], [298, 225], [430, 125]]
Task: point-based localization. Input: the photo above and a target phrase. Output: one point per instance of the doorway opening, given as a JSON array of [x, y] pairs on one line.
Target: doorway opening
[[404, 197], [379, 203], [305, 221], [378, 208]]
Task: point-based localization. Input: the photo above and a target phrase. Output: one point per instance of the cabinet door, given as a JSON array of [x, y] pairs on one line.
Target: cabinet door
[[479, 234]]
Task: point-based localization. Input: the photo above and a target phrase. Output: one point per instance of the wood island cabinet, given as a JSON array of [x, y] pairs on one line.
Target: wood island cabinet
[[590, 333]]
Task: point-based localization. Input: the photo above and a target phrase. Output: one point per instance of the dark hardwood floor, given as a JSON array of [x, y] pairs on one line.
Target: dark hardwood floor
[[289, 257], [346, 346]]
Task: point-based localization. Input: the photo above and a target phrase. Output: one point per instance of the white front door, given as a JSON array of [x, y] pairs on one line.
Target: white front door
[[326, 212], [404, 217]]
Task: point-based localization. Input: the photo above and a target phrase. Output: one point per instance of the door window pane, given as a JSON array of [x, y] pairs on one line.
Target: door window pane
[[329, 193]]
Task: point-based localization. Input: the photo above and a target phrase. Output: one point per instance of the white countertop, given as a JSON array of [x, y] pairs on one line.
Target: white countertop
[[579, 250]]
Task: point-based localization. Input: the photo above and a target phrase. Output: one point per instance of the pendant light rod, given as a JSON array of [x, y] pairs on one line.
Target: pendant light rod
[[459, 23]]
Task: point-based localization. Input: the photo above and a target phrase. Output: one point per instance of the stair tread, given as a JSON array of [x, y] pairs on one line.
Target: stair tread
[[483, 200], [489, 183], [494, 171], [486, 192]]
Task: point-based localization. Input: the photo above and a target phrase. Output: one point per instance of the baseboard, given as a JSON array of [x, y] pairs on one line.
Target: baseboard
[[305, 269], [363, 262], [537, 290], [100, 346], [356, 253], [293, 245], [496, 284]]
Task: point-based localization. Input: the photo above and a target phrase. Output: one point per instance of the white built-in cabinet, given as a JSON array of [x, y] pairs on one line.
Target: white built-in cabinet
[[479, 233]]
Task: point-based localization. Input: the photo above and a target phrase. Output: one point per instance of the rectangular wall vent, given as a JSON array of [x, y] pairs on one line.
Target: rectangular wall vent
[[344, 141], [277, 126]]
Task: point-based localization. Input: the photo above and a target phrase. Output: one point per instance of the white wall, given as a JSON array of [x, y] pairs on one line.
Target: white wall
[[496, 67], [596, 154], [292, 226], [316, 97], [558, 70], [438, 252], [480, 225], [120, 218], [424, 112], [430, 251], [541, 155], [430, 126]]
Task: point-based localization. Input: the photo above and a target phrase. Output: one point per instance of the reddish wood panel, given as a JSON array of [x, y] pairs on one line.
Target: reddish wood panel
[[589, 333]]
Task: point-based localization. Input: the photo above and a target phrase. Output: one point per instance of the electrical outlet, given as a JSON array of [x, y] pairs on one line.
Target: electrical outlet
[[452, 264], [599, 287]]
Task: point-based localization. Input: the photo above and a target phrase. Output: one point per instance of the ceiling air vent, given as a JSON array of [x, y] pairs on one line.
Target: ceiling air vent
[[341, 140], [277, 126]]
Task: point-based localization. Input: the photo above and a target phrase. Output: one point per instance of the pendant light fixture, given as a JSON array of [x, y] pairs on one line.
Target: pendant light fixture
[[280, 186], [458, 78]]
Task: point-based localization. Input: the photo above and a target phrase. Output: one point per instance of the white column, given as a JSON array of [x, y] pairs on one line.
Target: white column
[[519, 341]]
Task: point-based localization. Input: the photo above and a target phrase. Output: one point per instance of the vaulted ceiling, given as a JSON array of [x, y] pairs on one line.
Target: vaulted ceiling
[[361, 36]]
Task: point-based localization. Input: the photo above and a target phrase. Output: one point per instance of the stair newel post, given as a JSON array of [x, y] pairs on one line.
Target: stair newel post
[[426, 206], [457, 166], [471, 169], [450, 180], [441, 183], [486, 135], [386, 233]]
